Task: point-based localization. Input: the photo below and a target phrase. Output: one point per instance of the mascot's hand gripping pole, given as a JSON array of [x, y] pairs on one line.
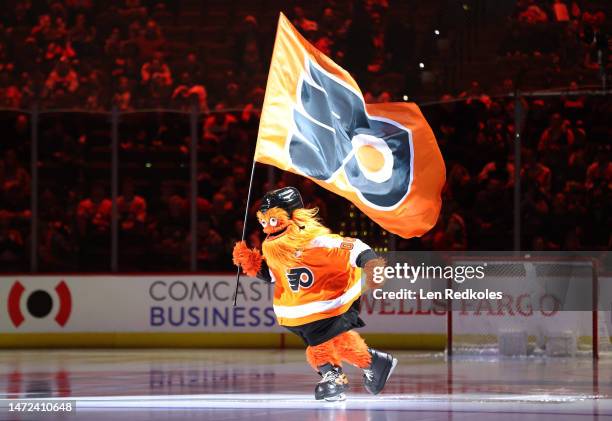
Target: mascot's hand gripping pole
[[244, 225]]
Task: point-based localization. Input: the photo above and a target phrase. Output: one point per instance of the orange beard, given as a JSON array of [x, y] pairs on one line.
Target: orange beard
[[282, 251]]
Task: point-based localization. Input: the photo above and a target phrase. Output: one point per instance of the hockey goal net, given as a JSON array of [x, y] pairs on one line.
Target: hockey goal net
[[549, 308]]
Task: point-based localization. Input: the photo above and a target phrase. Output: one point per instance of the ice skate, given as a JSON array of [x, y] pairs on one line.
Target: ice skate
[[332, 385], [375, 377]]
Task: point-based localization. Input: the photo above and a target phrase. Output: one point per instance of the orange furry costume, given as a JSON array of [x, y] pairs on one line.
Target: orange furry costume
[[317, 281]]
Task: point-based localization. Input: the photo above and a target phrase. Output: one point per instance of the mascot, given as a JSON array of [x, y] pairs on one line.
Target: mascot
[[317, 288]]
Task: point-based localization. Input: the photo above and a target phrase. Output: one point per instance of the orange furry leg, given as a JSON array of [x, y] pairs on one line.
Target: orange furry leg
[[324, 353], [351, 348]]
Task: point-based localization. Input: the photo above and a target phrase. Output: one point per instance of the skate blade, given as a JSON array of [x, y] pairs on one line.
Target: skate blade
[[392, 368], [338, 398], [393, 364]]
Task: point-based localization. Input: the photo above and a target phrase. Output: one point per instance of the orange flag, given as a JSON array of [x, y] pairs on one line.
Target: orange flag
[[382, 157]]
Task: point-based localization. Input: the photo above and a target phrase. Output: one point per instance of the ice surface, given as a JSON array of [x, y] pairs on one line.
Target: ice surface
[[274, 385]]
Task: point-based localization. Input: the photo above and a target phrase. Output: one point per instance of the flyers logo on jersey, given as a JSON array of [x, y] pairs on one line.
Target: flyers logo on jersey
[[300, 278], [383, 158], [333, 134]]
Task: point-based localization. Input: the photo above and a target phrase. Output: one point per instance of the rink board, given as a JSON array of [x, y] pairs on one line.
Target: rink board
[[179, 311], [189, 311]]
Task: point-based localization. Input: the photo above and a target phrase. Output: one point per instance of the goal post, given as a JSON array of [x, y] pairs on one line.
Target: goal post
[[549, 308]]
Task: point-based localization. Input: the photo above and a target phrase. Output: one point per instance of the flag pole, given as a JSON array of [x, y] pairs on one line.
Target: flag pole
[[244, 225], [248, 201]]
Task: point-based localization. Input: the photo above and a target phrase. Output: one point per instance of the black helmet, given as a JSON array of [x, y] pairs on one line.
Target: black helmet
[[287, 198]]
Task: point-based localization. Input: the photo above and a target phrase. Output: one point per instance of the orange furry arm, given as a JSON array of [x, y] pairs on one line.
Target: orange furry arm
[[368, 270], [248, 259]]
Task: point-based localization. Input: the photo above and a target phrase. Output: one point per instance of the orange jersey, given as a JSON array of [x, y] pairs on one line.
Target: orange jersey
[[324, 284]]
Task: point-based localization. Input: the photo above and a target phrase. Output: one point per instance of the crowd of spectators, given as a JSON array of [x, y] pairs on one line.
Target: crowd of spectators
[[134, 54], [93, 55], [76, 53], [550, 43], [566, 174]]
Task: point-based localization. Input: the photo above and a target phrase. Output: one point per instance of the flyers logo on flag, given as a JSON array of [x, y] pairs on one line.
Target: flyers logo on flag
[[382, 157]]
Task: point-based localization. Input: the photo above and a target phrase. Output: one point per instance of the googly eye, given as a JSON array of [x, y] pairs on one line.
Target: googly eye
[[273, 222], [263, 223]]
